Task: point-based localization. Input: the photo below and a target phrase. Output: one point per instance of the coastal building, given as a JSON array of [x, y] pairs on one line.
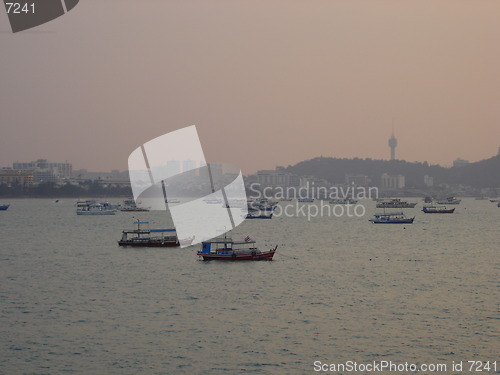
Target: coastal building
[[392, 181], [16, 177], [357, 180], [277, 178], [45, 171], [428, 181]]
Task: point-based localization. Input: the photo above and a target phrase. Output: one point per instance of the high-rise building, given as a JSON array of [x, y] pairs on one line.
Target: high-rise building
[[393, 142], [45, 171], [392, 181]]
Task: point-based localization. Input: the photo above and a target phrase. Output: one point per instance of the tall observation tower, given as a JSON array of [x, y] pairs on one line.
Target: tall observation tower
[[393, 142]]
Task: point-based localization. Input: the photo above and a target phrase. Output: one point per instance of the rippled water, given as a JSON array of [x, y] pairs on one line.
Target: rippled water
[[339, 289]]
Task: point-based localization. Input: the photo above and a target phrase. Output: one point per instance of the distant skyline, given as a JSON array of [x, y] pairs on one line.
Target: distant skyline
[[266, 83]]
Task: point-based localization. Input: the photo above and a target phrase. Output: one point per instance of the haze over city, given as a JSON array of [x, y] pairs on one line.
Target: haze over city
[[265, 84]]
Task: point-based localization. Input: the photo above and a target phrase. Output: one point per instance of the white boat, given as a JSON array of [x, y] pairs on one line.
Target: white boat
[[212, 201], [94, 209], [306, 200], [395, 203], [172, 200], [344, 201], [129, 205], [449, 200]]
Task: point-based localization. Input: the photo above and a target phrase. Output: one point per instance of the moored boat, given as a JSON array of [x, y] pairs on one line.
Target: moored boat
[[395, 203], [261, 216], [4, 207], [306, 200], [141, 237], [90, 208], [344, 201], [437, 210], [223, 248], [212, 201], [392, 218], [129, 205], [449, 200]]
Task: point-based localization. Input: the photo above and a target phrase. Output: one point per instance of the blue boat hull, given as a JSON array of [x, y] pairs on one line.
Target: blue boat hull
[[4, 207]]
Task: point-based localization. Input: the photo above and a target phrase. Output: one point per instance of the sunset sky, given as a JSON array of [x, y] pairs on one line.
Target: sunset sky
[[266, 82]]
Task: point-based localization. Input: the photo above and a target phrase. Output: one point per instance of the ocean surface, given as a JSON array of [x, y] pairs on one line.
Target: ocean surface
[[339, 289]]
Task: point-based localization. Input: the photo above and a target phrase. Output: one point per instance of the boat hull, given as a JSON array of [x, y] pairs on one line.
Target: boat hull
[[148, 244], [403, 221], [450, 211], [4, 207], [268, 255], [103, 212], [454, 201], [401, 205]]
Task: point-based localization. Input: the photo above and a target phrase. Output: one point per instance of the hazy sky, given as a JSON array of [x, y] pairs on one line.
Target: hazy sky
[[266, 82]]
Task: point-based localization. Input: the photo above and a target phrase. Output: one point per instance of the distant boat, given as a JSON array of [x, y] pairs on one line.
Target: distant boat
[[212, 201], [149, 237], [4, 207], [236, 203], [262, 204], [449, 200], [92, 208], [344, 201], [223, 248], [392, 218], [395, 203], [306, 200], [129, 205], [172, 200], [437, 210], [494, 200], [261, 216]]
